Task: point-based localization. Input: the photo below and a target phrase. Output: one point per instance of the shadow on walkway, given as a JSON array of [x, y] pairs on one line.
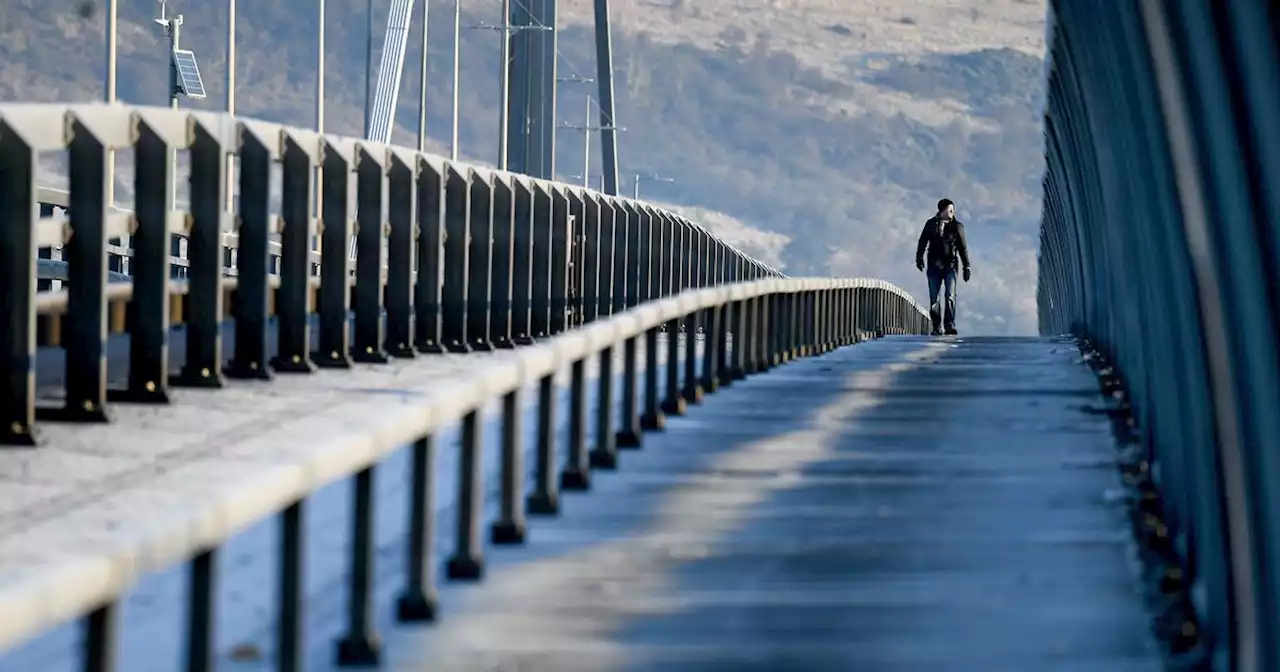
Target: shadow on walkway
[[900, 505]]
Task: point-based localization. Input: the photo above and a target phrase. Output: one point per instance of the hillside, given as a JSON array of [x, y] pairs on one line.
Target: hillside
[[821, 32], [830, 126]]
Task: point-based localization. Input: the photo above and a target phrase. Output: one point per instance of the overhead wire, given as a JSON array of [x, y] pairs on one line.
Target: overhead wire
[[535, 22]]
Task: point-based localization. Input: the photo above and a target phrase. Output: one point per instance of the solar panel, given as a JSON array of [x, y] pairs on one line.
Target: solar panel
[[189, 82]]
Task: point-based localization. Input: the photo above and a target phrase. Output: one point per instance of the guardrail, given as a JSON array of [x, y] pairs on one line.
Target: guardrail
[[55, 203], [771, 322], [449, 256], [680, 276], [1160, 244]]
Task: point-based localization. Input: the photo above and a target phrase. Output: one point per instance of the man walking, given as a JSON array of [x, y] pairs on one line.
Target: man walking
[[943, 237]]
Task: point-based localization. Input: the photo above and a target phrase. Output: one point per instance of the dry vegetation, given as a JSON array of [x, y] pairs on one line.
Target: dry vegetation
[[820, 32], [828, 34]]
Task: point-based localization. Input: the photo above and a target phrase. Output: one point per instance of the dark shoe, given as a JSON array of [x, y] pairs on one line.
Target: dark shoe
[[951, 331], [935, 332]]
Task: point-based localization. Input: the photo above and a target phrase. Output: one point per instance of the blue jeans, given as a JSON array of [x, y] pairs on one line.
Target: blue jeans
[[942, 310]]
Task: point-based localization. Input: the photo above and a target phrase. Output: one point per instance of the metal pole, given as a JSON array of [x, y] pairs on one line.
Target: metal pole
[[586, 147], [636, 188], [604, 66], [174, 28], [368, 67], [320, 72], [319, 171], [231, 57], [422, 83], [504, 84], [110, 93], [547, 85], [231, 94], [111, 51], [517, 91], [457, 38]]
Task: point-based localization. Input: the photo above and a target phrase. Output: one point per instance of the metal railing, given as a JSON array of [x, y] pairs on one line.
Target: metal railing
[[449, 256], [55, 204], [767, 323], [1160, 244]]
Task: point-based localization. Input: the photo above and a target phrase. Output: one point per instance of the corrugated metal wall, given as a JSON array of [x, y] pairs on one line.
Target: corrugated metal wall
[[1161, 244]]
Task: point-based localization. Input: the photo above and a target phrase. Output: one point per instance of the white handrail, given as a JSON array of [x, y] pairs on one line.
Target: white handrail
[[63, 589]]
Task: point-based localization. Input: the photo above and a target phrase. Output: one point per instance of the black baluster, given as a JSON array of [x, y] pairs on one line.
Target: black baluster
[[371, 185], [290, 593], [360, 646], [202, 314], [563, 299], [428, 335], [418, 602], [200, 613], [607, 288], [293, 302], [653, 419], [480, 276], [545, 498], [741, 340], [576, 475], [590, 252], [628, 415], [148, 308], [522, 281], [633, 262], [503, 260], [710, 381], [605, 453], [677, 277], [644, 235], [542, 285], [457, 244], [724, 348], [619, 255], [692, 390], [467, 561], [510, 527], [101, 631], [673, 403], [85, 326], [253, 226], [400, 257], [335, 261]]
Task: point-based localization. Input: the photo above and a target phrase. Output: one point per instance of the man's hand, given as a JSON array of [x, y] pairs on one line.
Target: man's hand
[[966, 274], [920, 264]]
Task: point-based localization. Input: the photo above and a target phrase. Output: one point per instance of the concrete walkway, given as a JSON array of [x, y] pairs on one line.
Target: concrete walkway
[[89, 489], [904, 504]]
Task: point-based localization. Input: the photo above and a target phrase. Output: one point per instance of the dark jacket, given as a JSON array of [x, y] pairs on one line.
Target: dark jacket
[[945, 242]]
